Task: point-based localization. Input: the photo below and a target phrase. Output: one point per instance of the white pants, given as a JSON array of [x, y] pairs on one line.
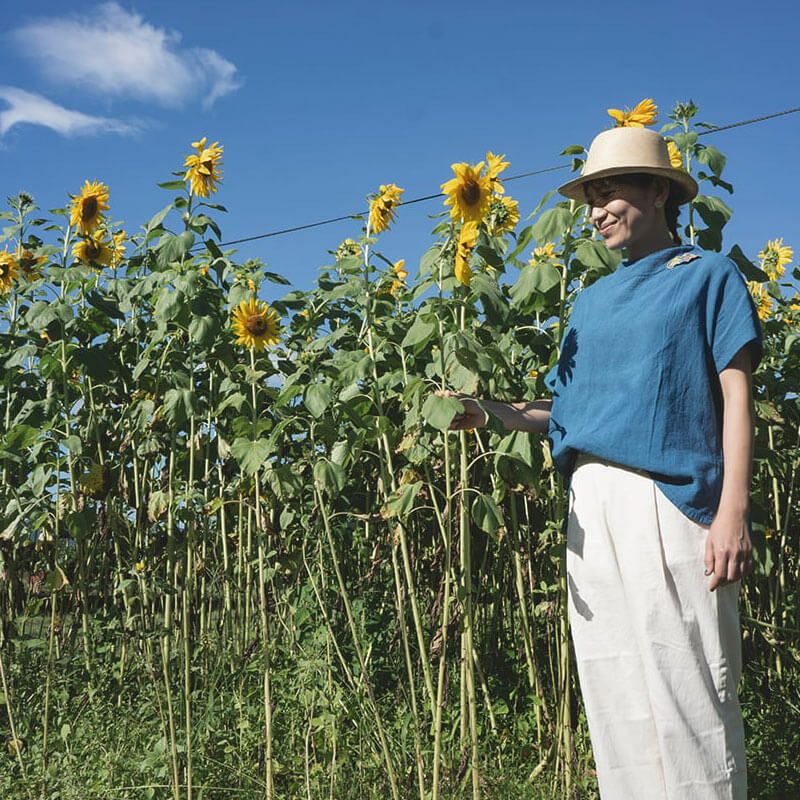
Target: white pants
[[659, 656]]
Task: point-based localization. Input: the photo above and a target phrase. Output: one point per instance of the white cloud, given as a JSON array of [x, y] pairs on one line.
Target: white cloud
[[37, 110], [115, 52]]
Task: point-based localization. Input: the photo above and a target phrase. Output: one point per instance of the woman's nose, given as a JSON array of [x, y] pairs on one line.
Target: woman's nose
[[597, 214]]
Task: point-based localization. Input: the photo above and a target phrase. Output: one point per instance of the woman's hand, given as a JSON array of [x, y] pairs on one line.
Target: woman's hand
[[729, 552], [472, 416]]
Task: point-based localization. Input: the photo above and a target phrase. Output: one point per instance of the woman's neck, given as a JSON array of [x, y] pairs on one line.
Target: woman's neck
[[659, 241]]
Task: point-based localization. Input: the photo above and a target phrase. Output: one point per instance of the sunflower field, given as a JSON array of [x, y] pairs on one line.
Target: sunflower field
[[242, 556]]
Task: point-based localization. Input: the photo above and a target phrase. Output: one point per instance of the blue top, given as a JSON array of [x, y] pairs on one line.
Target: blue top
[[637, 378]]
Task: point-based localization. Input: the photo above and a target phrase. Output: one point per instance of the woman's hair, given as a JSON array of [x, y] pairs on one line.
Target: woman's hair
[[643, 180]]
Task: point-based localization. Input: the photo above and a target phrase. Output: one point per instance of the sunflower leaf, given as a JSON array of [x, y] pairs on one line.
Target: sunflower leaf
[[275, 278], [439, 411], [318, 398], [487, 514], [329, 476], [533, 280], [157, 219], [104, 304], [552, 224], [172, 185], [746, 266], [712, 157], [179, 405], [402, 501], [420, 333], [251, 454], [203, 329]]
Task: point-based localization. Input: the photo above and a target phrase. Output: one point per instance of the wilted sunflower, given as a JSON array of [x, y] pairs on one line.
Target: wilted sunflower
[[97, 481], [88, 207], [762, 299], [675, 157], [8, 270], [381, 207], [469, 193], [31, 265], [774, 258], [643, 113], [255, 324], [347, 249], [466, 244], [503, 215], [204, 168], [94, 250]]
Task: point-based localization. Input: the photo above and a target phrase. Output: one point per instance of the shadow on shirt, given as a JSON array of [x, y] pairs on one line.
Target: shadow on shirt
[[565, 370]]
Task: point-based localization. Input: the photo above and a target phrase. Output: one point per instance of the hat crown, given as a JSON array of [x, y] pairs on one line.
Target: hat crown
[[621, 151], [623, 148]]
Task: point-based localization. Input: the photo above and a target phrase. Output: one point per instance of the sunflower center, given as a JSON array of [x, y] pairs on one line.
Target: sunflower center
[[92, 251], [256, 326], [208, 165], [89, 208], [471, 193]]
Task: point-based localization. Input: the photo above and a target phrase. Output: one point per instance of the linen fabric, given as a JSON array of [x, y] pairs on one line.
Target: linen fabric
[[658, 655], [637, 379]]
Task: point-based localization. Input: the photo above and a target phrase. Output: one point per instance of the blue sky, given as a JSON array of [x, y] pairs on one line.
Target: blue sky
[[317, 103]]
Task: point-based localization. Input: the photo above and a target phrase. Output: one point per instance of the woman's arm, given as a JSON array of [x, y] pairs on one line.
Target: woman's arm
[[532, 416], [728, 547]]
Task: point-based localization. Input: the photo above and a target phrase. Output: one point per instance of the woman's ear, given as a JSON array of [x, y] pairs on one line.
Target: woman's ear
[[661, 189]]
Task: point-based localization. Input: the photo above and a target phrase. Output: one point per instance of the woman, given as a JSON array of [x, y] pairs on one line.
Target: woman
[[651, 422]]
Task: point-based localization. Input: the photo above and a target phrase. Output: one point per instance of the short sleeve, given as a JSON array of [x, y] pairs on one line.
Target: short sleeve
[[731, 316]]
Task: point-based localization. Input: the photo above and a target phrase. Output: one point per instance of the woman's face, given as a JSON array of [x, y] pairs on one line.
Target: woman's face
[[626, 215]]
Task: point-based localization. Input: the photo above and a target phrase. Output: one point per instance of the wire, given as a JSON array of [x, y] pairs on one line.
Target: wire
[[718, 128], [360, 214]]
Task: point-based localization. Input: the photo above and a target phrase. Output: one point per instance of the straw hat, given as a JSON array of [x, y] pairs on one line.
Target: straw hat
[[621, 151]]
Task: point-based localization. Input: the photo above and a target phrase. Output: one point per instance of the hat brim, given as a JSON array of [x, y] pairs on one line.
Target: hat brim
[[574, 189]]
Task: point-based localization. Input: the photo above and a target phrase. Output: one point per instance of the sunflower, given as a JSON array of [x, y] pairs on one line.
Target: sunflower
[[8, 270], [494, 166], [774, 258], [381, 207], [469, 194], [119, 248], [761, 298], [466, 243], [203, 168], [88, 207], [642, 114], [255, 324], [399, 282], [547, 252], [675, 157], [31, 265], [97, 481], [94, 250], [348, 248], [504, 215]]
